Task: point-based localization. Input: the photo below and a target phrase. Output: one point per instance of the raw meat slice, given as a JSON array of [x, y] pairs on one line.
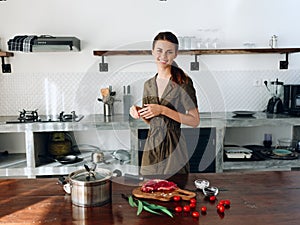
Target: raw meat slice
[[158, 185]]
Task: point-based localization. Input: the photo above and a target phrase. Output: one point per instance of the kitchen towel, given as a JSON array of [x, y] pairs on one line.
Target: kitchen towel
[[21, 43]]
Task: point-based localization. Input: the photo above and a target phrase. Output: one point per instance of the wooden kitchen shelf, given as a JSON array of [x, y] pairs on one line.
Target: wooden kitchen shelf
[[6, 54], [203, 51], [197, 52], [6, 68]]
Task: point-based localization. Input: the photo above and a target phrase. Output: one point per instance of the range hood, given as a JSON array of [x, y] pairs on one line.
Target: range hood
[[55, 44]]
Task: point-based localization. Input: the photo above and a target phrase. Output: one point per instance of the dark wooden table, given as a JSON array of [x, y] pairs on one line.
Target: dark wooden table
[[256, 198]]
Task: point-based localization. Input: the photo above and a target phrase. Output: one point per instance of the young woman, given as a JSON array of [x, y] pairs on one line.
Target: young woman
[[169, 100]]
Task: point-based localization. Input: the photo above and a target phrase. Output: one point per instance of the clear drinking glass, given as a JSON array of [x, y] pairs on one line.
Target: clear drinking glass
[[187, 42]]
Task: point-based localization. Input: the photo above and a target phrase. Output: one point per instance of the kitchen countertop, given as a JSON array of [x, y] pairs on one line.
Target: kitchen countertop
[[121, 122], [256, 198], [216, 120]]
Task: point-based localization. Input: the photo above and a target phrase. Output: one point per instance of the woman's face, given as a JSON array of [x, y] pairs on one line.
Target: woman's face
[[164, 53]]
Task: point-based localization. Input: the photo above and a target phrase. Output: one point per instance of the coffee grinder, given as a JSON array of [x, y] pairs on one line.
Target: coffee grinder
[[275, 102]]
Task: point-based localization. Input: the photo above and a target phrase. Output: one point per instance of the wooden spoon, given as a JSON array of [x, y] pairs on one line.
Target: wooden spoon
[[105, 92]]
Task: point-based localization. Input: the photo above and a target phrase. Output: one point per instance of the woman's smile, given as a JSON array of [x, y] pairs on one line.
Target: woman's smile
[[164, 52]]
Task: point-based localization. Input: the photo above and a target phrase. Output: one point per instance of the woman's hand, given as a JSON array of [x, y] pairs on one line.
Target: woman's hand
[[150, 110], [134, 112]]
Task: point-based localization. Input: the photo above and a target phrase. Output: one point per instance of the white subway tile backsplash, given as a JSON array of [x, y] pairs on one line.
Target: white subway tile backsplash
[[52, 93]]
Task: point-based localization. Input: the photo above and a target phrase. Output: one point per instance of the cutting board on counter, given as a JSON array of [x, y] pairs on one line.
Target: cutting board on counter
[[163, 196]]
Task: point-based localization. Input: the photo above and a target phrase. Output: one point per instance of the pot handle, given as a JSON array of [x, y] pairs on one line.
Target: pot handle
[[66, 185], [67, 188], [62, 180]]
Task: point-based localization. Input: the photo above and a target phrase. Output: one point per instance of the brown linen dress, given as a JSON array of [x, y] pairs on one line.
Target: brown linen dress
[[165, 151]]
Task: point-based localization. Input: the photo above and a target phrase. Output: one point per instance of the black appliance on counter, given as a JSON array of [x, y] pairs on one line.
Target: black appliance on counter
[[275, 104], [291, 102]]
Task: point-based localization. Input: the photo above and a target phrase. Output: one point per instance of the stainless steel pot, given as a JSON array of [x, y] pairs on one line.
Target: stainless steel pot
[[88, 191]]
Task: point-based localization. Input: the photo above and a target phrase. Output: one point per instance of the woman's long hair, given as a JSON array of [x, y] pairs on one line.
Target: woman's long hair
[[178, 75]]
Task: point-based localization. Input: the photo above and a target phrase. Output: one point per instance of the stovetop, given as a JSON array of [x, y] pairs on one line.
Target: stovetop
[[31, 116]]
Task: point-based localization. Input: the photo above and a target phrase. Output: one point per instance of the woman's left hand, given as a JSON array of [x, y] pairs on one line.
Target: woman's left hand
[[150, 110]]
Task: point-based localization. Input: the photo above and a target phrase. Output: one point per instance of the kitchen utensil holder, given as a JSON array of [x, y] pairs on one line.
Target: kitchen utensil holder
[[108, 109]]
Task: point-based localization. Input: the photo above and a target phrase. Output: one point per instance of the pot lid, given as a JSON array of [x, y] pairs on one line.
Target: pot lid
[[85, 176]]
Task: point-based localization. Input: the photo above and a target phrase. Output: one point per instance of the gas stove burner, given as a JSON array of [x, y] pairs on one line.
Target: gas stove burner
[[28, 116], [67, 117], [33, 117]]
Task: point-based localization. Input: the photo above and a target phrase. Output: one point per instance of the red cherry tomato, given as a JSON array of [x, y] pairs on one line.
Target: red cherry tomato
[[221, 209], [186, 208], [203, 209], [178, 209], [176, 198], [192, 205], [212, 198], [195, 214], [193, 200], [222, 202], [227, 202]]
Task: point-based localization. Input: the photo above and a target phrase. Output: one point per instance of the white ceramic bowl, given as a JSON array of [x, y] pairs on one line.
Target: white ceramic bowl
[[201, 184]]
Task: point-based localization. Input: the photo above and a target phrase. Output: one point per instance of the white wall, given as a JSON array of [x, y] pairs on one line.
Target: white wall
[[52, 82], [132, 24]]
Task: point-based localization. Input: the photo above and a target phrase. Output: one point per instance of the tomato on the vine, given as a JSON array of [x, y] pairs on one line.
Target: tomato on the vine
[[186, 208], [195, 214], [178, 209], [221, 209], [192, 205], [193, 200], [222, 202], [176, 198], [212, 198], [227, 202], [203, 209]]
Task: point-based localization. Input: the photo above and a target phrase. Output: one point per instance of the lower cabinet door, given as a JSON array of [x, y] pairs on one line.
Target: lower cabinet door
[[201, 148]]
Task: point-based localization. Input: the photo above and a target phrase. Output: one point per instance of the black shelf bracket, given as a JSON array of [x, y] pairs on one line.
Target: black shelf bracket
[[6, 68], [284, 65], [195, 65], [103, 67]]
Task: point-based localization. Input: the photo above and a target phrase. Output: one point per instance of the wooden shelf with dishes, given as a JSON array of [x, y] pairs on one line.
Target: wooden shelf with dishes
[[196, 52], [203, 51]]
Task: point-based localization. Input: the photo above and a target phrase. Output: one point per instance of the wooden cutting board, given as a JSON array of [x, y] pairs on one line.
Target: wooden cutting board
[[163, 196]]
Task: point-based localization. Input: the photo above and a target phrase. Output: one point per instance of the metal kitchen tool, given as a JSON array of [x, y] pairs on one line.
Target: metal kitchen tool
[[126, 100], [108, 99], [91, 172], [210, 191], [122, 155]]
